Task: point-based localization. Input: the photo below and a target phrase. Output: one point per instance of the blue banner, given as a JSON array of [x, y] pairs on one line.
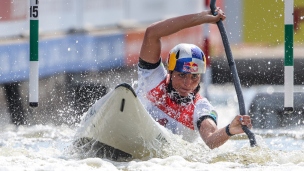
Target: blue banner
[[72, 53]]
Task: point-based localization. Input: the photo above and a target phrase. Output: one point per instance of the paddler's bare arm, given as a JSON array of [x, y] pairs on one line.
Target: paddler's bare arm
[[215, 137], [151, 46]]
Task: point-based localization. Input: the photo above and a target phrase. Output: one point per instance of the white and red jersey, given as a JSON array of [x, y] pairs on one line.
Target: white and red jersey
[[181, 119]]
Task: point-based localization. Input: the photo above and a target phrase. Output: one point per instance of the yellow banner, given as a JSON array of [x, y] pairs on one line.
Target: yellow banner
[[264, 21]]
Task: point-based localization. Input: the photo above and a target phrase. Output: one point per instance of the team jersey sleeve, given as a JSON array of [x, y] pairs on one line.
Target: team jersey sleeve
[[150, 78], [203, 110]]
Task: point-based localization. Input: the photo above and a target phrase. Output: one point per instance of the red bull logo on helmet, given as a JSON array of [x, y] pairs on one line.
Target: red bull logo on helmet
[[190, 67]]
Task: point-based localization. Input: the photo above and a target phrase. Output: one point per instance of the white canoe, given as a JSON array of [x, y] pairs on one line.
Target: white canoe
[[120, 123]]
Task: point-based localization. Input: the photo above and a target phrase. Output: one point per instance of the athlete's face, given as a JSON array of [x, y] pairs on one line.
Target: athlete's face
[[185, 83]]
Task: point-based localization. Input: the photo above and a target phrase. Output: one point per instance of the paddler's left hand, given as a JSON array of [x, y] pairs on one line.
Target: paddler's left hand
[[237, 122]]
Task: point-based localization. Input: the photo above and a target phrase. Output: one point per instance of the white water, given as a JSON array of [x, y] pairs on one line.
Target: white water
[[47, 148]]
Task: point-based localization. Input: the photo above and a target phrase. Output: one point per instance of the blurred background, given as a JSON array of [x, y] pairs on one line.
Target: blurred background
[[87, 47]]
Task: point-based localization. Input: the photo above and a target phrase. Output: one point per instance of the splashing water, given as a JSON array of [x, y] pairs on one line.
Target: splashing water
[[49, 147]]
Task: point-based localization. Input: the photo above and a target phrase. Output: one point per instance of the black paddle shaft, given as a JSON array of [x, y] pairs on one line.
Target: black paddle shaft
[[234, 73]]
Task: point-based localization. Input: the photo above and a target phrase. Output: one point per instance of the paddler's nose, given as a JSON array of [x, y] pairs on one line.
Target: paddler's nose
[[187, 80]]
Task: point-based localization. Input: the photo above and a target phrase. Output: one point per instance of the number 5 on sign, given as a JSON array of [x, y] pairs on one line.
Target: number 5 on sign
[[34, 64], [34, 9]]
